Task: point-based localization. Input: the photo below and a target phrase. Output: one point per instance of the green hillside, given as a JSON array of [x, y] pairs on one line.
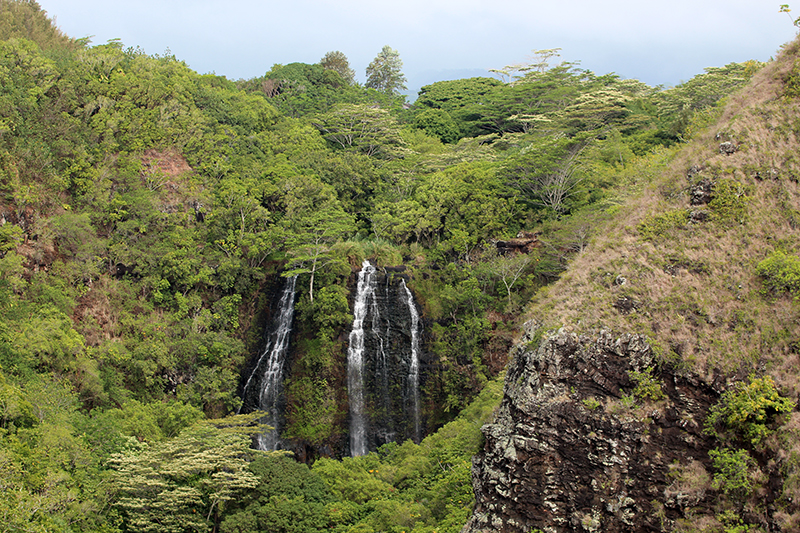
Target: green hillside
[[149, 215]]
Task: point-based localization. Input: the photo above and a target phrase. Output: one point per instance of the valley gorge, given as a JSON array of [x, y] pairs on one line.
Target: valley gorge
[[537, 301]]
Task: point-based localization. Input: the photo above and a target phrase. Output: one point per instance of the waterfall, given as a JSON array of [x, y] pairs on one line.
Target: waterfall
[[383, 362], [384, 430], [355, 361], [270, 373], [413, 366]]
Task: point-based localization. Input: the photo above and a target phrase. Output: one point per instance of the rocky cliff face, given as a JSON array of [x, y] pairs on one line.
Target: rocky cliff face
[[589, 437]]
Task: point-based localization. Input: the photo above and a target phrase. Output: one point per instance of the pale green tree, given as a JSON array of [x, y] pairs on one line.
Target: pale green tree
[[183, 484], [369, 130], [384, 72]]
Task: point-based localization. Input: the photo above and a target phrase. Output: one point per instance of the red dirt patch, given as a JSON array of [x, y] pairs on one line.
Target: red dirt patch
[[171, 163]]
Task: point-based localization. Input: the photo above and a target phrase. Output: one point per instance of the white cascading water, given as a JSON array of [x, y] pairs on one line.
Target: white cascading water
[[272, 378], [355, 361], [413, 367]]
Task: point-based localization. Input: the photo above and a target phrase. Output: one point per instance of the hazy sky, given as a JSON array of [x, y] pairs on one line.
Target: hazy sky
[[664, 42]]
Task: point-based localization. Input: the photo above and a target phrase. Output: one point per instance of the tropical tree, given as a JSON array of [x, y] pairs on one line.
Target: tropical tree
[[360, 127], [384, 73], [338, 62], [315, 221], [548, 172], [184, 483]]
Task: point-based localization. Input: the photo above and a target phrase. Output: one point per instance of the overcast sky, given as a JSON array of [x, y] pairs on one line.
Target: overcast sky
[[658, 42]]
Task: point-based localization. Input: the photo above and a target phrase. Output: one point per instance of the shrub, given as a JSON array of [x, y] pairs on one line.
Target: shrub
[[747, 409], [792, 86], [591, 403], [647, 387], [658, 225], [781, 273], [732, 476], [729, 201]]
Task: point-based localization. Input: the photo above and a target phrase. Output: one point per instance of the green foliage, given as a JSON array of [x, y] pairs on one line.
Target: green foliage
[[591, 403], [339, 63], [730, 201], [362, 128], [314, 221], [312, 414], [676, 106], [288, 498], [25, 19], [300, 89], [437, 123], [792, 81], [421, 487], [329, 311], [153, 422], [781, 273], [655, 226], [460, 99], [548, 172], [648, 386], [458, 208], [384, 72], [52, 479], [732, 474], [747, 410], [182, 483]]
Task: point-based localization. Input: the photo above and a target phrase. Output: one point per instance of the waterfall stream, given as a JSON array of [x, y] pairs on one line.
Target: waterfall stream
[[268, 372], [413, 366], [355, 361], [383, 362]]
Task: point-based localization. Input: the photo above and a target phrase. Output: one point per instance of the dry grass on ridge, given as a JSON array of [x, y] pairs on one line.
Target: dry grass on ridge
[[695, 289]]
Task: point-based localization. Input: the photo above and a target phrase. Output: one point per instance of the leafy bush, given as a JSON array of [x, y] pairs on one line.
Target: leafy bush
[[792, 84], [648, 387], [591, 403], [732, 476], [781, 273], [729, 202], [748, 409]]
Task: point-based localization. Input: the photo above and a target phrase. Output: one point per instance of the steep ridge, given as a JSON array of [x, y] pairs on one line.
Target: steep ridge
[[633, 398]]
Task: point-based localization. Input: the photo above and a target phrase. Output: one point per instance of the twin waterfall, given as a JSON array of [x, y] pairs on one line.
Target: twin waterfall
[[383, 365], [383, 362]]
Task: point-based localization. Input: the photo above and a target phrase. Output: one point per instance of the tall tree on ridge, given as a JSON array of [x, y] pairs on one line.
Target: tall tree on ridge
[[337, 62], [384, 73]]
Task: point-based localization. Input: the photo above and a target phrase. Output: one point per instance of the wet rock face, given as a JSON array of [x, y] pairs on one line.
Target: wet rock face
[[572, 448], [387, 348]]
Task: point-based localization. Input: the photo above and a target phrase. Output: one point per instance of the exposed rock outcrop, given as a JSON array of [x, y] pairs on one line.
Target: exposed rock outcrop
[[524, 243], [575, 446]]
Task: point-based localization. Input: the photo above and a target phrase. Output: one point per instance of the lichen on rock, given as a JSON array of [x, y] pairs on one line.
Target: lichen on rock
[[555, 462]]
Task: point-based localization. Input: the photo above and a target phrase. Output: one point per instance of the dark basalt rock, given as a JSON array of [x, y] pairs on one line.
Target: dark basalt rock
[[702, 192], [564, 453], [524, 243], [693, 171]]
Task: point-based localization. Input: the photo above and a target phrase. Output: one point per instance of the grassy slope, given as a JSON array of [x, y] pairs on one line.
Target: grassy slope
[[694, 284]]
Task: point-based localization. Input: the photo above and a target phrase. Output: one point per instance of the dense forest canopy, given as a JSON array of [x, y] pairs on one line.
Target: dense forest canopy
[[148, 213]]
